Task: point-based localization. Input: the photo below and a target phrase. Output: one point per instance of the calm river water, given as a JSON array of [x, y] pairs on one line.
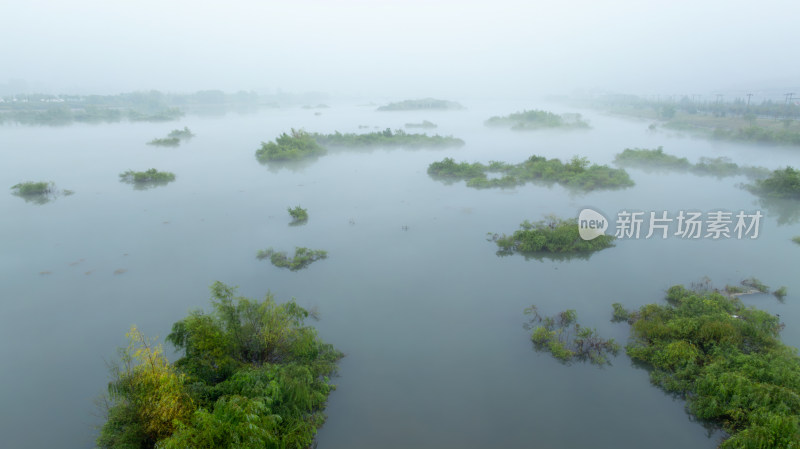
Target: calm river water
[[429, 317]]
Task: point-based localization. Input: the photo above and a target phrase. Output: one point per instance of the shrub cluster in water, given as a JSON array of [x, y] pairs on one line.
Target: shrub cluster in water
[[298, 144], [174, 138], [298, 214], [386, 138], [303, 257], [567, 340], [424, 124], [537, 119], [657, 159], [148, 176], [576, 174], [727, 361], [553, 235], [251, 375], [782, 183], [301, 144], [38, 192]]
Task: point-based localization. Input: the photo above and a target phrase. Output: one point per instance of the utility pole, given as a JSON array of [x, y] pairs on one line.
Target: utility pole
[[719, 98], [748, 99], [788, 97]]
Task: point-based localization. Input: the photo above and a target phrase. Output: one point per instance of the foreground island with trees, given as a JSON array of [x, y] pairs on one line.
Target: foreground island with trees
[[251, 375]]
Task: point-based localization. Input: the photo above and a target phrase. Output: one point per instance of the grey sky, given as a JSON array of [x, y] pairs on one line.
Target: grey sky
[[401, 47]]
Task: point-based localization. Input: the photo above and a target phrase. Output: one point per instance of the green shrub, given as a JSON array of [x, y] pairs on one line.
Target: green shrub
[[303, 257], [537, 119], [299, 215], [386, 138], [33, 188], [566, 340], [640, 157], [166, 142], [782, 183], [756, 284], [552, 235], [297, 145], [727, 362], [250, 375]]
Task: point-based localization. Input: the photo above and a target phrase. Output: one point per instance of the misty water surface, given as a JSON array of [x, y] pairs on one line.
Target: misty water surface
[[430, 318]]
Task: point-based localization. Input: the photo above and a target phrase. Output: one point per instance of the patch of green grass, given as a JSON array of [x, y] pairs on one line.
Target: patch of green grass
[[303, 257]]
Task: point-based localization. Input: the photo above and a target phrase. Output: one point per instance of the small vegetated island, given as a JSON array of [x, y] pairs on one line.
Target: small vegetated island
[[657, 159], [551, 235], [566, 340], [251, 374], [577, 174], [303, 257], [725, 359], [781, 183], [38, 192], [423, 124], [422, 104], [796, 239], [300, 144], [174, 138], [298, 214], [147, 178], [537, 119]]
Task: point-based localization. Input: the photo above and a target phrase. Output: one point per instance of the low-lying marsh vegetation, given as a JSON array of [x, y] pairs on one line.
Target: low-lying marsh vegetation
[[299, 144], [303, 257], [551, 235], [725, 359], [566, 340], [421, 104], [538, 119], [577, 174], [656, 159]]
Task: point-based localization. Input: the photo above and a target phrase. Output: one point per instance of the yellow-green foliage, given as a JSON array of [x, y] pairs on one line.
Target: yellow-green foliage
[[727, 360]]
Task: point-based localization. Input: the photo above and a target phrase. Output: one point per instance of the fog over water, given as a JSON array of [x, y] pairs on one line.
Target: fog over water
[[429, 316]]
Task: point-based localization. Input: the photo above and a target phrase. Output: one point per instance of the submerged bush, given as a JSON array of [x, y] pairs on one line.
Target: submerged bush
[[796, 239], [756, 284], [657, 159], [182, 134], [166, 142], [251, 374], [553, 235], [567, 340], [424, 103], [303, 257], [727, 362], [424, 124]]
